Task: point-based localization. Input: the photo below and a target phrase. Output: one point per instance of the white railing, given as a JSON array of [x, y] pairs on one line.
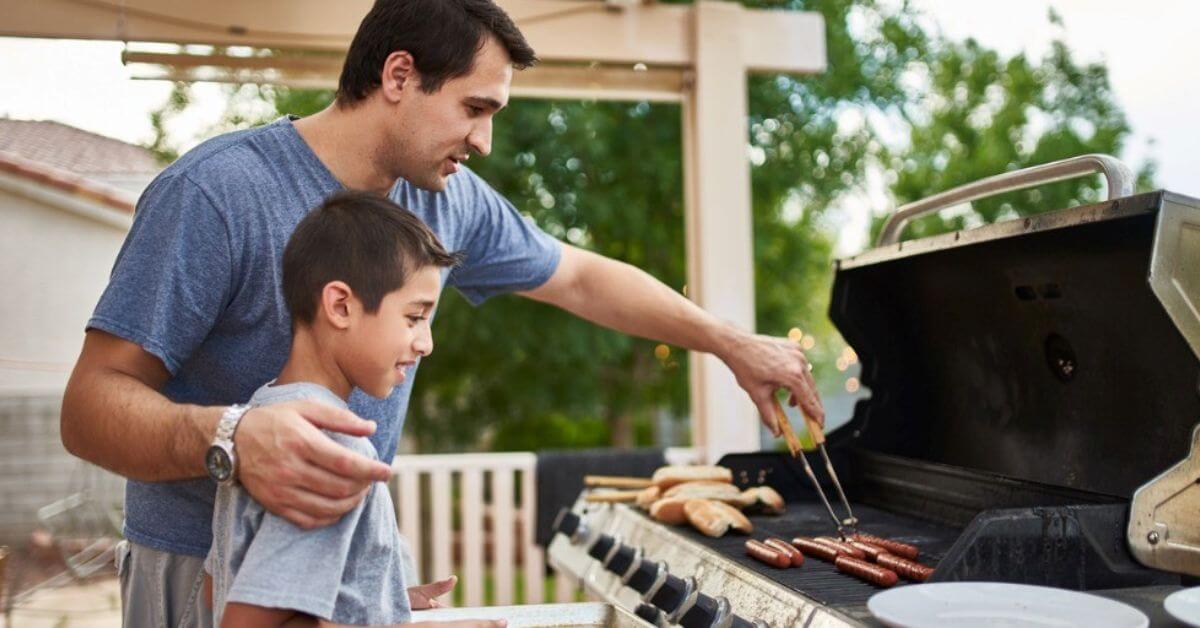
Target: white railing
[[494, 496]]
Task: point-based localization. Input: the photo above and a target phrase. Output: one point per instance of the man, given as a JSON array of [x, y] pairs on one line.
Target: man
[[193, 319]]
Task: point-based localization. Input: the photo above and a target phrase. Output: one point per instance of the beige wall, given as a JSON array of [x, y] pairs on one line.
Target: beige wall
[[56, 251]]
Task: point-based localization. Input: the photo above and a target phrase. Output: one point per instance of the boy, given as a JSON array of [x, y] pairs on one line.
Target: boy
[[361, 277]]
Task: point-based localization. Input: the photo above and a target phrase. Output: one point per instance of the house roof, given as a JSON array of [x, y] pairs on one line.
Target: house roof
[[103, 169]]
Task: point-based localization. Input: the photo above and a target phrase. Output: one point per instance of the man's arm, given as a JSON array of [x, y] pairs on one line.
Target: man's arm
[[619, 296], [114, 416]]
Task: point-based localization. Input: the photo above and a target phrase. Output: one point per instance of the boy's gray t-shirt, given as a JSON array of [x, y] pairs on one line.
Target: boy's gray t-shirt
[[197, 284], [351, 572]]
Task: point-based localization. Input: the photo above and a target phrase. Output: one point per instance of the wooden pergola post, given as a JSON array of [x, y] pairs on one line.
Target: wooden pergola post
[[698, 55]]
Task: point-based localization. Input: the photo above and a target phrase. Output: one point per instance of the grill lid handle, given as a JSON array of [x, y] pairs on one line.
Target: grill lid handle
[[1117, 175]]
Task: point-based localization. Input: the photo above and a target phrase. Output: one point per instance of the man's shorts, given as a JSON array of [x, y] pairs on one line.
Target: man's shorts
[[161, 589]]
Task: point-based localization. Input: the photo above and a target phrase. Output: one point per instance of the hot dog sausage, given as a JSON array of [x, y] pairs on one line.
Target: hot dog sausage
[[811, 547], [872, 551], [905, 550], [911, 570], [764, 554], [876, 575], [842, 548], [787, 548]]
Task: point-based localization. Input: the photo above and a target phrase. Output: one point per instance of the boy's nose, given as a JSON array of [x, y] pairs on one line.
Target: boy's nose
[[423, 343]]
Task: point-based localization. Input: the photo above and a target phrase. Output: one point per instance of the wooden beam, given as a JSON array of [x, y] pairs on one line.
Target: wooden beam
[[568, 82], [720, 250], [560, 30]]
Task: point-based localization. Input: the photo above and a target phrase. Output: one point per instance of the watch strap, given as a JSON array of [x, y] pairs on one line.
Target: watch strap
[[228, 424]]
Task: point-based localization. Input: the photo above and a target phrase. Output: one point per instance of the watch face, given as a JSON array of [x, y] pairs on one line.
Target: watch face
[[220, 466]]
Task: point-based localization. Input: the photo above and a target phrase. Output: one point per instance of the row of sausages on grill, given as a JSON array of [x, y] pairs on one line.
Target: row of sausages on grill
[[876, 560]]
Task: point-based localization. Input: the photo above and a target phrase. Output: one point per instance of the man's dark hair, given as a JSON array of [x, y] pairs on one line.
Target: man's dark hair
[[363, 239], [443, 37]]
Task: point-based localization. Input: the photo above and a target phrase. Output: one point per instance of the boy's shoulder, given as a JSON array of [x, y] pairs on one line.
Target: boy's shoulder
[[270, 394]]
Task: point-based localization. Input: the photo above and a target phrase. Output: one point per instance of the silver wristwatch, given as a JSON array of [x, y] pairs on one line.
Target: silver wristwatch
[[220, 460]]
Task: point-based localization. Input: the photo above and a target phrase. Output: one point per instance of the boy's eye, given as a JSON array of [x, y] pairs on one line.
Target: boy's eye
[[473, 110], [414, 319]]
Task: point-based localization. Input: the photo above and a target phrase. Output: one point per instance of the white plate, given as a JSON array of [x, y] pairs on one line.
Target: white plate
[[1185, 606], [999, 605]]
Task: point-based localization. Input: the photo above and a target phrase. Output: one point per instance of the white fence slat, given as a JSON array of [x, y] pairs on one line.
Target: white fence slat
[[535, 565], [409, 505], [502, 535], [441, 536], [564, 587], [471, 509]]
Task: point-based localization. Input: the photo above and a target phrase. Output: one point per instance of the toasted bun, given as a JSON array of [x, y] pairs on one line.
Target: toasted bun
[[666, 477], [669, 511], [719, 491], [715, 518], [647, 496], [763, 499]]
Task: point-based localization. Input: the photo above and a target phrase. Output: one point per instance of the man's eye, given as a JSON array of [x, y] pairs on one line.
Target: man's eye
[[473, 110], [416, 320]]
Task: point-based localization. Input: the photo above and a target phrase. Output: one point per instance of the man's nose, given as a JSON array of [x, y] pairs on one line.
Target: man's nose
[[480, 139]]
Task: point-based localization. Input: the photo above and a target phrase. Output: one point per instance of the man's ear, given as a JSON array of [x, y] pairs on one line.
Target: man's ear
[[338, 304], [399, 74]]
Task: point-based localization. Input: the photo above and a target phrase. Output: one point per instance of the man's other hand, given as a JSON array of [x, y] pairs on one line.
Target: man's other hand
[[299, 473]]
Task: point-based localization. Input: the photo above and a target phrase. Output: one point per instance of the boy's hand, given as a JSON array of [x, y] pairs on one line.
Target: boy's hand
[[298, 473], [423, 596]]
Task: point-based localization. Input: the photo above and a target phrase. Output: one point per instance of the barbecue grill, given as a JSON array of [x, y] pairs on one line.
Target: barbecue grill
[[1035, 387]]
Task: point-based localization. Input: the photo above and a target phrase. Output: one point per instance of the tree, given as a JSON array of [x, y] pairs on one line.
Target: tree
[[982, 114], [607, 176]]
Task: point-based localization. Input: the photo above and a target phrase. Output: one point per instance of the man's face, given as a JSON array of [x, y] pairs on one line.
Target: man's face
[[437, 132]]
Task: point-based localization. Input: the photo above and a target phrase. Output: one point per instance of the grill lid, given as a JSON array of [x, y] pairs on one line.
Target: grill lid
[[1060, 348]]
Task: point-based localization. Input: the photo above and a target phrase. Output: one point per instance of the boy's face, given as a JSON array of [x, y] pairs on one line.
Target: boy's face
[[438, 131], [384, 346]]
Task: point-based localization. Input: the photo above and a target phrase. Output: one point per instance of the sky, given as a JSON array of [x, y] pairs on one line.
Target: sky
[[1150, 47]]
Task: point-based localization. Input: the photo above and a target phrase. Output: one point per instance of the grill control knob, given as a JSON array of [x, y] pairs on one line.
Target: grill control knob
[[646, 576], [573, 526], [603, 545], [649, 614], [567, 522], [622, 560], [704, 613], [671, 595]]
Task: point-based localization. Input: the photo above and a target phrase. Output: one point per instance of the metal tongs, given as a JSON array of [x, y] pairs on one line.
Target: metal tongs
[[846, 526]]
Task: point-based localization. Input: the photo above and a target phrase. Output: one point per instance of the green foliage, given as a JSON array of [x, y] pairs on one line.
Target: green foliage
[[516, 375], [177, 101], [605, 176], [980, 114]]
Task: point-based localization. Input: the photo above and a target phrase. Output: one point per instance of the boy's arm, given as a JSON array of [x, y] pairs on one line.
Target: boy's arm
[[238, 615], [462, 623], [285, 462]]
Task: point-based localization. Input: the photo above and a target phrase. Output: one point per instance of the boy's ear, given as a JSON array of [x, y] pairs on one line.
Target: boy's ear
[[338, 304]]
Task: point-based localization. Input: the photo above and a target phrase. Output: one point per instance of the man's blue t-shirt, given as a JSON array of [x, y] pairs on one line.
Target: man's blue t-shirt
[[197, 284]]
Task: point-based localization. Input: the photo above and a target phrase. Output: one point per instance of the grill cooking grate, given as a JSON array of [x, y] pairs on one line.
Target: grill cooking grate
[[818, 579]]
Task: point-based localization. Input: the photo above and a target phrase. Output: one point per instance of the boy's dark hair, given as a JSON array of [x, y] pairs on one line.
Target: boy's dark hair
[[442, 36], [360, 238]]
